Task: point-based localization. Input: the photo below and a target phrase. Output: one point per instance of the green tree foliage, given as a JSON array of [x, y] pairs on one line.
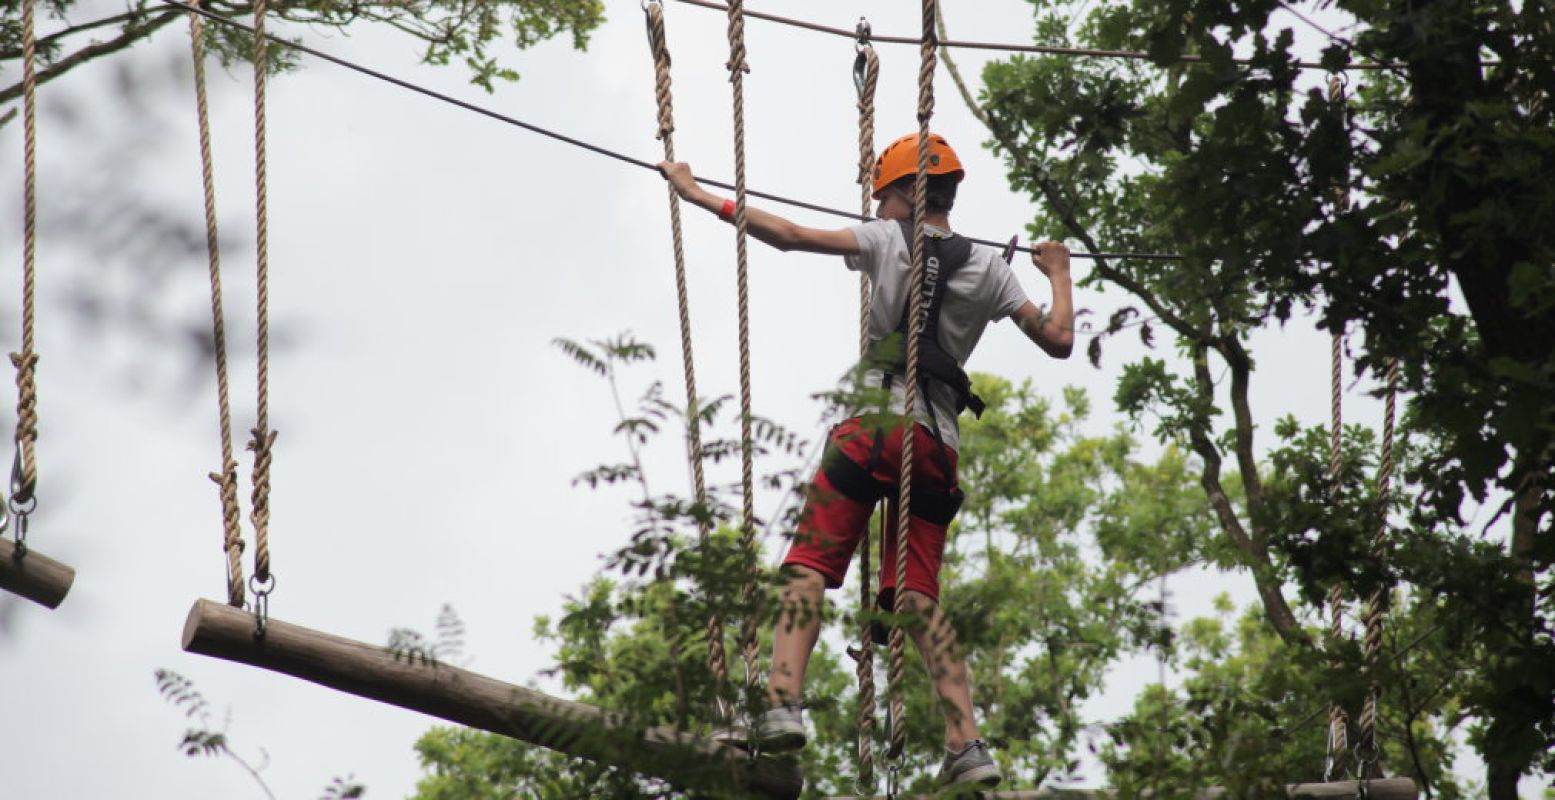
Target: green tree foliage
[[1079, 529], [447, 31], [1442, 160]]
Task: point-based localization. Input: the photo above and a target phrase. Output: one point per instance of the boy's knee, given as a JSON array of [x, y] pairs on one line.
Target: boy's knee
[[802, 578]]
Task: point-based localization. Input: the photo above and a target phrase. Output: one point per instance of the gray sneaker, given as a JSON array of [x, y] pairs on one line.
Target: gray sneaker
[[780, 729], [972, 764]]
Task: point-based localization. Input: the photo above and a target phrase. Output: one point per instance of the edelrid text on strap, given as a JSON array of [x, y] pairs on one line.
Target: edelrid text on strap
[[942, 259]]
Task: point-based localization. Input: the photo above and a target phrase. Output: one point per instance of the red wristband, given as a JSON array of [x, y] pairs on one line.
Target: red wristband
[[727, 212]]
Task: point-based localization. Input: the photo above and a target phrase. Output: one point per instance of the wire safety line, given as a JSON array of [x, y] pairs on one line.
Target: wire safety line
[[589, 146], [738, 66], [658, 43], [263, 438], [1090, 52], [866, 75], [897, 667], [227, 479], [24, 473]]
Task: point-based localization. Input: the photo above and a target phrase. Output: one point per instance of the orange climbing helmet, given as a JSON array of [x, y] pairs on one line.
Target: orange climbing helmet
[[900, 159]]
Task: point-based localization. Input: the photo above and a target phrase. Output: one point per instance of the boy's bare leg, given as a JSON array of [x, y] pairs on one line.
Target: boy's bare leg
[[936, 642], [798, 628]]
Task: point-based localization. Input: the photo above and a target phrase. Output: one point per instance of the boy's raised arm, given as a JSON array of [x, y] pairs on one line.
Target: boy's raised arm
[[1052, 331], [764, 225]]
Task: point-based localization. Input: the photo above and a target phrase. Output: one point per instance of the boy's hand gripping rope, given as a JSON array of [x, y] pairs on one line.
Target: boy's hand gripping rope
[[227, 479], [658, 44], [910, 378]]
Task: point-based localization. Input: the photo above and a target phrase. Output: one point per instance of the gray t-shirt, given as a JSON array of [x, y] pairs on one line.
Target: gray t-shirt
[[984, 290]]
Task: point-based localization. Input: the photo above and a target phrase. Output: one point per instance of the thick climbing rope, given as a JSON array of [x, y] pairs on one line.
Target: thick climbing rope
[[659, 44], [737, 69], [24, 479], [227, 479], [1367, 753], [897, 667], [866, 74], [1338, 718], [263, 438]]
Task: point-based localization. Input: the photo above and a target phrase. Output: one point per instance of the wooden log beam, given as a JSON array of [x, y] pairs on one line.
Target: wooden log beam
[[1381, 789], [34, 576], [456, 695]]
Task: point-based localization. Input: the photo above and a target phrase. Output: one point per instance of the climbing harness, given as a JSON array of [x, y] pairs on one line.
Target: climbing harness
[[947, 254]]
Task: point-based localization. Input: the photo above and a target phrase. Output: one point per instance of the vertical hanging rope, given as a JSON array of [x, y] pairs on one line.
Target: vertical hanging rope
[[263, 438], [866, 74], [737, 69], [1367, 752], [26, 361], [659, 44], [227, 479], [910, 376], [1338, 718]]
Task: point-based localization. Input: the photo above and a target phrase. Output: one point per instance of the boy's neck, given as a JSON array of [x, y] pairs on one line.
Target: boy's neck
[[938, 219]]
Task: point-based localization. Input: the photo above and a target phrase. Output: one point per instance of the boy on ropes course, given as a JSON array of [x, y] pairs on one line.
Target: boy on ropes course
[[966, 286]]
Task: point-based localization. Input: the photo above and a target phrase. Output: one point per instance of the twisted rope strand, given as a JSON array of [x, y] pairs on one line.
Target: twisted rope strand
[[716, 659], [1376, 603], [227, 479], [866, 163], [910, 378], [1338, 717], [263, 438], [865, 669], [26, 361], [737, 69]]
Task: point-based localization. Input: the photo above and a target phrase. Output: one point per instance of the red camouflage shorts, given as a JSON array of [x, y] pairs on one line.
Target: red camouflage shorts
[[831, 525]]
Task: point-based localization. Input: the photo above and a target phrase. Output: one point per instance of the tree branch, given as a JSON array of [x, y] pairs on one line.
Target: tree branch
[[1231, 349], [129, 36], [44, 42], [1276, 609]]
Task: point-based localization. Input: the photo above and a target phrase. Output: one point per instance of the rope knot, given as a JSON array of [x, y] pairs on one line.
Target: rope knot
[[737, 63], [27, 395]]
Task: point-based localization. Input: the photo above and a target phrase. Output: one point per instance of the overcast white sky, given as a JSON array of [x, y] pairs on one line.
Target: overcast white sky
[[422, 259]]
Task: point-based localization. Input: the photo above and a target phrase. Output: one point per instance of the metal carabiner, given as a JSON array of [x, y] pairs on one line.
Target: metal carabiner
[[1009, 249], [22, 500], [653, 42], [861, 61], [261, 591]]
